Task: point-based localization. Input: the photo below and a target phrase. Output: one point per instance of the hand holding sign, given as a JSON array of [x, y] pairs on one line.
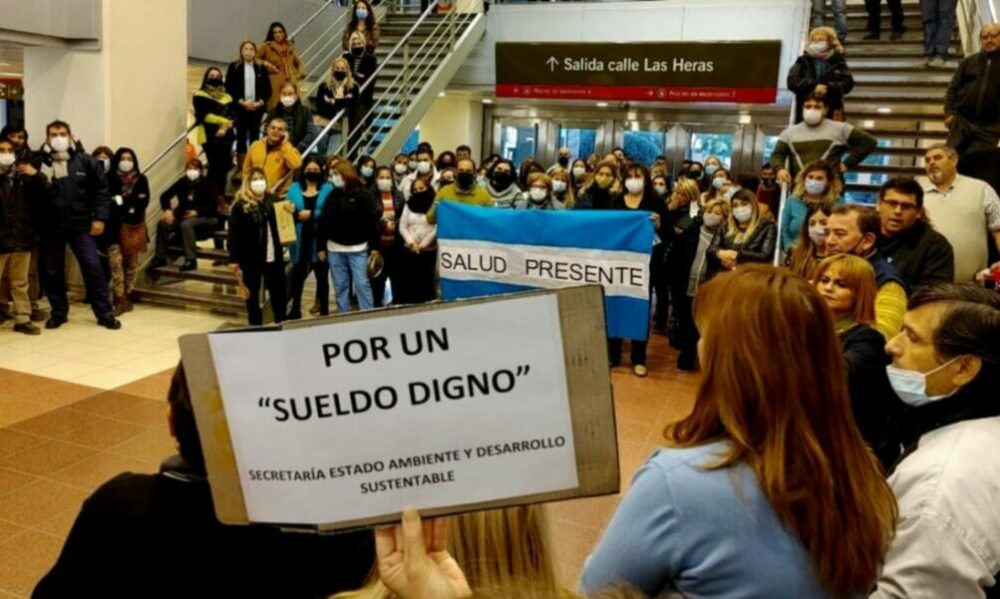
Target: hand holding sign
[[414, 563]]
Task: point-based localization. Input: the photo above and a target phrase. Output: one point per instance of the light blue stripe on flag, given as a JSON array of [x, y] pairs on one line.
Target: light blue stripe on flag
[[489, 251]]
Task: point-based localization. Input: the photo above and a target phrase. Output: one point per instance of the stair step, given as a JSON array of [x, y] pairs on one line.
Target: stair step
[[217, 276], [921, 83], [203, 253], [907, 134], [889, 170], [914, 68], [213, 302], [857, 116], [898, 151], [882, 99]]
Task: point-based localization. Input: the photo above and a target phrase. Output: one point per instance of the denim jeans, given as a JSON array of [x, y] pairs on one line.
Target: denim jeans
[[939, 25], [839, 16], [348, 268]]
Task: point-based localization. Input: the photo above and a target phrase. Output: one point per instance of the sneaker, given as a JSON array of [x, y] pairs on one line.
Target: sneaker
[[55, 322], [110, 322], [871, 35], [27, 328], [188, 265], [936, 63], [640, 370]]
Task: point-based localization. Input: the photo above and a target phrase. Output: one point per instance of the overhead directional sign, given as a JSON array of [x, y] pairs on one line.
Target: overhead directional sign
[[651, 71]]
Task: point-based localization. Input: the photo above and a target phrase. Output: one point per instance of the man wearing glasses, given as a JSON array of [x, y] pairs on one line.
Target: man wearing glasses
[[972, 103], [922, 255]]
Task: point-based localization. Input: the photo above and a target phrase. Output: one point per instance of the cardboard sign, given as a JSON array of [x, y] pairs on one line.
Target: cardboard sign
[[651, 71], [286, 223], [342, 422]]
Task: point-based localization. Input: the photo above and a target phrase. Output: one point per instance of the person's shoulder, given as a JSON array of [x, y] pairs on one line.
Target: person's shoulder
[[126, 494], [863, 334], [684, 461]]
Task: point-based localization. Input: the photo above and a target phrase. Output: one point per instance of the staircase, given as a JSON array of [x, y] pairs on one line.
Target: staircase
[[896, 98]]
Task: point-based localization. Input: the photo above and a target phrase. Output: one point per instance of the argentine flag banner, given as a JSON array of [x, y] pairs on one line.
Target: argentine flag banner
[[488, 251]]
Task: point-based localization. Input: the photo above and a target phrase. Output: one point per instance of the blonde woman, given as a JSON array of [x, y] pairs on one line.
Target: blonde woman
[[603, 189], [816, 184], [282, 62], [746, 237], [821, 70], [562, 188], [337, 92]]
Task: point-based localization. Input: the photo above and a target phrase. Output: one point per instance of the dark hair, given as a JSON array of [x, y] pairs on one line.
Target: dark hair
[[425, 146], [815, 97], [463, 147], [509, 163], [905, 186], [425, 150], [11, 128], [270, 31], [57, 124], [970, 325], [767, 165], [364, 159], [204, 77], [118, 158], [445, 155], [530, 165], [195, 162], [276, 118], [370, 23], [398, 156], [103, 150], [868, 218], [311, 159], [182, 415]]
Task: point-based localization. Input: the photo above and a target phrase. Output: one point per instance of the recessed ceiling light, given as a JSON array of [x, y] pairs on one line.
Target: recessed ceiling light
[[867, 124], [885, 110], [441, 95], [602, 104], [487, 101], [745, 119]]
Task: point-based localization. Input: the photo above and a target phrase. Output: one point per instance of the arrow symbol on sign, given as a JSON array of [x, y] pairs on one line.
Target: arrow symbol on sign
[[552, 62]]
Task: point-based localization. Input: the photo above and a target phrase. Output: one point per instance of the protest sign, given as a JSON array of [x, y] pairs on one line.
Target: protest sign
[[485, 251], [342, 422]]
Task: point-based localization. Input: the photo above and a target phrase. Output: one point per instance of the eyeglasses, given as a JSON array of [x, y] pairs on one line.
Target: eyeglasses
[[896, 205]]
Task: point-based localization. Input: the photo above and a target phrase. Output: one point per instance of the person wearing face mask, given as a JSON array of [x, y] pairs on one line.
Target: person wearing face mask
[[922, 255], [972, 102], [562, 160], [363, 66], [446, 160], [338, 92], [125, 236], [817, 183], [719, 178], [248, 84], [578, 175], [308, 196], [841, 145], [424, 169], [822, 70], [400, 168], [529, 167], [464, 190], [847, 285], [348, 235], [810, 249], [768, 190], [712, 165], [103, 155], [276, 156], [562, 188], [366, 168], [661, 186], [213, 115], [854, 229], [418, 258], [363, 20], [696, 172], [283, 63], [602, 190], [298, 117], [390, 203], [16, 134], [190, 207], [946, 368], [502, 185], [255, 252], [539, 196], [745, 238], [688, 269], [23, 189]]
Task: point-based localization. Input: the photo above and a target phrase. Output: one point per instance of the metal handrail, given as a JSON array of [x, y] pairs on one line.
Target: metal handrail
[[324, 37], [971, 16], [314, 16], [166, 150]]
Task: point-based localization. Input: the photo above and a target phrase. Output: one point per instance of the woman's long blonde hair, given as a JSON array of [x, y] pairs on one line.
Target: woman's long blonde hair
[[802, 259], [245, 194], [615, 188], [834, 188], [733, 230], [789, 420], [569, 196], [859, 276], [332, 83], [831, 38]]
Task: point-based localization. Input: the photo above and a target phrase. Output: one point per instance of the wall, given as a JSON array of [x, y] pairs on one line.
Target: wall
[[452, 121], [659, 20], [65, 19], [217, 27]]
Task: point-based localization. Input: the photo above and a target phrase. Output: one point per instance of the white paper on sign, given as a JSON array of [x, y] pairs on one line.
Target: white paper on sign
[[350, 420]]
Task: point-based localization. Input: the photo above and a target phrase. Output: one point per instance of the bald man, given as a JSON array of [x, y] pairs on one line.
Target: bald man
[[972, 103]]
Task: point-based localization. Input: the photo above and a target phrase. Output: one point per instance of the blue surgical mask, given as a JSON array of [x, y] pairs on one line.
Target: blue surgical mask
[[911, 386], [361, 14], [732, 191], [814, 187], [367, 171], [719, 182], [710, 169]]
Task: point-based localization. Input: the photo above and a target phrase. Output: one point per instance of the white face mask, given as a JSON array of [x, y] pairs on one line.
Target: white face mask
[[558, 186], [911, 386], [712, 220], [812, 116], [192, 174], [661, 190], [815, 187], [59, 144], [742, 214], [367, 171], [412, 165], [384, 185], [337, 181], [424, 167], [400, 168], [579, 171], [288, 101], [7, 159], [126, 166], [258, 187], [106, 163], [818, 235], [537, 194], [818, 47], [634, 185]]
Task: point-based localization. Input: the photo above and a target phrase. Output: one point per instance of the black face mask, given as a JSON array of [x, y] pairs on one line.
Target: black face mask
[[339, 75], [214, 83], [767, 181], [421, 201], [465, 179], [314, 177], [696, 175], [564, 161], [502, 180], [357, 52]]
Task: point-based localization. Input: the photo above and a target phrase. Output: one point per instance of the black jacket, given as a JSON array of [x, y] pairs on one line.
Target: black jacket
[[19, 198], [974, 91], [200, 196], [362, 69], [758, 248], [803, 79], [922, 255], [681, 236], [234, 84], [873, 402], [77, 199], [156, 535], [298, 117], [595, 198], [349, 218], [248, 237], [329, 108], [133, 208]]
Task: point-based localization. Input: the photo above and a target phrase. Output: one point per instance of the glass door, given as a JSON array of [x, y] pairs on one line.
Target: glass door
[[516, 139], [583, 138], [642, 141]]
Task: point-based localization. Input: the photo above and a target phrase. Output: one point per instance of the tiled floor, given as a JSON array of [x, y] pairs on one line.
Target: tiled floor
[[81, 404]]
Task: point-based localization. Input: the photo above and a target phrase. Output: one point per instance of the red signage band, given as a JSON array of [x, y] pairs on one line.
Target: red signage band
[[748, 95]]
